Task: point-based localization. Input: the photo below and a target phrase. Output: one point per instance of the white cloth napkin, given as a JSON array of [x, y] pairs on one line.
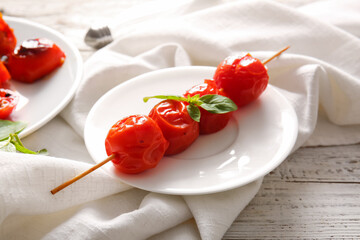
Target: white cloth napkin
[[319, 75]]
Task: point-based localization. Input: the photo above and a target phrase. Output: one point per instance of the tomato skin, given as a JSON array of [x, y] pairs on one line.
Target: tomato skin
[[209, 122], [8, 102], [137, 142], [34, 59], [243, 79], [7, 38], [4, 74], [176, 124]]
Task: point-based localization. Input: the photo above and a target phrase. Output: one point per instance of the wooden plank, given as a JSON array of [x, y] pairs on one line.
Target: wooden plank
[[313, 194], [321, 164], [289, 210]]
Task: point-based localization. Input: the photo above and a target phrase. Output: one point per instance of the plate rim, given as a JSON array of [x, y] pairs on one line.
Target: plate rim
[[208, 190], [77, 76]]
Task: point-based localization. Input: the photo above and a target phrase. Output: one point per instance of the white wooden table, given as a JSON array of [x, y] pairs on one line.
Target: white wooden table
[[315, 193]]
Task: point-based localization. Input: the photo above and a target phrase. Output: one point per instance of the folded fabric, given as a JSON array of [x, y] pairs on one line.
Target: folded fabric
[[318, 75]]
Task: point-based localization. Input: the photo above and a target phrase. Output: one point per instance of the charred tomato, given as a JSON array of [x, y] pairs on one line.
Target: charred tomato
[[7, 38], [8, 102], [209, 122], [137, 143], [4, 74], [242, 78], [34, 59], [176, 124]]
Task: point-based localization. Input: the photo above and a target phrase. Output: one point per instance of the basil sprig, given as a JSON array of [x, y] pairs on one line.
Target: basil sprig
[[212, 103], [9, 139]]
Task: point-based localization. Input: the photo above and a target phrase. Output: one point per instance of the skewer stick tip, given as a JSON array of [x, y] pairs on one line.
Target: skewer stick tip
[[78, 177], [276, 55]]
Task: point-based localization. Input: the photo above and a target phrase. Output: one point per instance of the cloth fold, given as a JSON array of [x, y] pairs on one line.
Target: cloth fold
[[318, 75]]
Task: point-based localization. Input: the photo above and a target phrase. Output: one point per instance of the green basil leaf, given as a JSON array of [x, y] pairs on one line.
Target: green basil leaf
[[7, 127], [217, 104], [4, 142], [194, 100], [10, 141], [194, 112], [7, 146], [15, 140], [42, 152], [171, 97]]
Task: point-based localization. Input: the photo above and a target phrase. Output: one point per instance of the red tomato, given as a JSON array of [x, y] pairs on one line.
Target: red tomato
[[209, 122], [176, 124], [34, 59], [8, 102], [243, 79], [4, 74], [7, 38], [137, 142]]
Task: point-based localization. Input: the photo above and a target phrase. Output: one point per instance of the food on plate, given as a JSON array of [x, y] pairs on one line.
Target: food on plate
[[4, 74], [243, 78], [134, 144], [34, 59], [179, 129], [137, 143], [179, 117], [30, 61], [7, 38], [209, 122], [8, 102]]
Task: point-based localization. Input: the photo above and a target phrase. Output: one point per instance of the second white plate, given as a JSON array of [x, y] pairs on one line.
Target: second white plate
[[43, 100], [257, 139]]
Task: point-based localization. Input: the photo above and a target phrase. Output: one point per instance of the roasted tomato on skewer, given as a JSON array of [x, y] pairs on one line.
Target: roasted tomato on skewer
[[209, 122], [176, 124], [242, 79], [34, 59], [137, 144]]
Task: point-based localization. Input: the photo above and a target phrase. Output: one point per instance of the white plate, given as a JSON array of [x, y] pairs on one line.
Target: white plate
[[43, 100], [257, 139]]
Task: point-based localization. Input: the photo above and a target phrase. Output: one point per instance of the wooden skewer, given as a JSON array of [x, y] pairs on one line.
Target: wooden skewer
[[275, 55], [71, 181]]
